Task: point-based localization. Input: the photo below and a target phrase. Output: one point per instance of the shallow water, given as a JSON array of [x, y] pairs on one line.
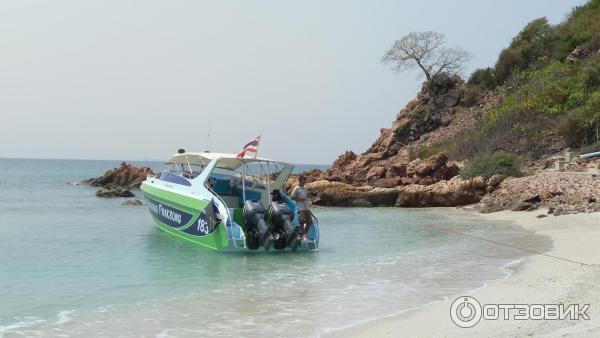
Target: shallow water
[[76, 265]]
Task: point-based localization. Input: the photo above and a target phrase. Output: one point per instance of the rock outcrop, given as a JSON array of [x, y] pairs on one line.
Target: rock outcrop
[[125, 175], [114, 191], [444, 193], [132, 202], [389, 173], [117, 181], [452, 193]]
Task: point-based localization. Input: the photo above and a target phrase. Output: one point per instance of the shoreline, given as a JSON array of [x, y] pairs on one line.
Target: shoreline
[[537, 279]]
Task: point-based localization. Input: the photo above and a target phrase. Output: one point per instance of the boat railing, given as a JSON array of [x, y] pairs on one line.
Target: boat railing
[[229, 222]]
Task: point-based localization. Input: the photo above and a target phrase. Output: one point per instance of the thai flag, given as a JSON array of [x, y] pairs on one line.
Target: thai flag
[[251, 147]]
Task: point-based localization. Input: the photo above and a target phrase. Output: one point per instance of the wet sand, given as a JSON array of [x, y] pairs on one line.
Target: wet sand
[[538, 280]]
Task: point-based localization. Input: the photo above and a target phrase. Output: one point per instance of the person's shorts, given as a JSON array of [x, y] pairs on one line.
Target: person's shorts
[[305, 217]]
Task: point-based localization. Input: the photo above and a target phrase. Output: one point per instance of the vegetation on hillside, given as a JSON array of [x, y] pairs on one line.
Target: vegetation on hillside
[[549, 77], [489, 164]]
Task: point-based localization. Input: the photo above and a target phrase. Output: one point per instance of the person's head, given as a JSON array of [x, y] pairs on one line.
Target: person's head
[[301, 180], [276, 195]]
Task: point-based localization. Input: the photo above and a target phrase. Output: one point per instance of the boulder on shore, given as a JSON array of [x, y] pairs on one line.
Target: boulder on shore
[[454, 192]]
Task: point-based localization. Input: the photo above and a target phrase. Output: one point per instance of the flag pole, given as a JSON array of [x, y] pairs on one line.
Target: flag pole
[[257, 144]]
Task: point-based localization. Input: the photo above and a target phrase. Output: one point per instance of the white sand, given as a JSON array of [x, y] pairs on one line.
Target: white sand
[[539, 280]]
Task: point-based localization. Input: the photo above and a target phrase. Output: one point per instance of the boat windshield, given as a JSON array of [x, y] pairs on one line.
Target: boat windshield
[[254, 180], [257, 174], [188, 171], [180, 173]]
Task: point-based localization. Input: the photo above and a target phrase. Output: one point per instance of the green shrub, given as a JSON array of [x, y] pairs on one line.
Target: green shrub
[[537, 40], [554, 89], [489, 164], [534, 45], [401, 133], [524, 132], [470, 95], [426, 151], [484, 78], [508, 62], [581, 126], [590, 74], [580, 26], [571, 128], [419, 113]]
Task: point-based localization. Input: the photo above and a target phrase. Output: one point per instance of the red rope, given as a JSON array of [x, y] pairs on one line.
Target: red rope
[[518, 248]]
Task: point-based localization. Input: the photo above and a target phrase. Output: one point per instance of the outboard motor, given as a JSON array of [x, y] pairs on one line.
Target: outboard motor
[[254, 217], [281, 218]]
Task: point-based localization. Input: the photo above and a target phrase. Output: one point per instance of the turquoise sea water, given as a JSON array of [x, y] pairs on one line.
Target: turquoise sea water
[[74, 265]]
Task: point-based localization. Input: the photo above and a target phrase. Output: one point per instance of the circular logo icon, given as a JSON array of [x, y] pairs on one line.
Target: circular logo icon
[[465, 311]]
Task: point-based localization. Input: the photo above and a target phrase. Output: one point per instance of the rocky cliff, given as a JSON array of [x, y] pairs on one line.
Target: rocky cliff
[[395, 170]]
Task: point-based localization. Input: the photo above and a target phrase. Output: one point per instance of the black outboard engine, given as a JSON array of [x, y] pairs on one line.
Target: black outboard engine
[[281, 218], [254, 217]]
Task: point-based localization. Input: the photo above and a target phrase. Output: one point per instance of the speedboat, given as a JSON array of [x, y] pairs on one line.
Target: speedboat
[[226, 203]]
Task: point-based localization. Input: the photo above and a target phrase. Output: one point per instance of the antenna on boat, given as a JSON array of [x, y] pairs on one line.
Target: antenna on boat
[[208, 132]]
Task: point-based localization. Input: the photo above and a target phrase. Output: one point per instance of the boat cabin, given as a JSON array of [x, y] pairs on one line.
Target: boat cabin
[[232, 179]]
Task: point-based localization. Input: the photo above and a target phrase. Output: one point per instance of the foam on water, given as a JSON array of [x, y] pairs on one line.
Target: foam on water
[[75, 262], [64, 317]]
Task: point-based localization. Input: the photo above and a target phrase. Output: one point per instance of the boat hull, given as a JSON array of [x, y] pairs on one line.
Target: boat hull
[[184, 217]]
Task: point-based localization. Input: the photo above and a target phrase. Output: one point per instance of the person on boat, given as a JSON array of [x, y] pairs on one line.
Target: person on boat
[[276, 196], [233, 183], [300, 195]]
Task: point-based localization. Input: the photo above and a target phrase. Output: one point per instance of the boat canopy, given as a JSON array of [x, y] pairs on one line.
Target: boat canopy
[[226, 161]]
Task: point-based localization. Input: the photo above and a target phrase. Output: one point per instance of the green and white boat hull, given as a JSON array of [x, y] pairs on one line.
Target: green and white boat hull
[[184, 217]]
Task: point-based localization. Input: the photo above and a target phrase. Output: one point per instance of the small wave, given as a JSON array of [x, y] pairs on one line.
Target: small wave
[[164, 334], [29, 321], [387, 263], [64, 317], [513, 264], [508, 269]]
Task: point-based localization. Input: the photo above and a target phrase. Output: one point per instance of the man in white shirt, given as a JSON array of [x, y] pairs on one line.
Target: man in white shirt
[[300, 195]]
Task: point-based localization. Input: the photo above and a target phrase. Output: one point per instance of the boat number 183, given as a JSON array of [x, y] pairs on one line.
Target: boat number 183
[[202, 226]]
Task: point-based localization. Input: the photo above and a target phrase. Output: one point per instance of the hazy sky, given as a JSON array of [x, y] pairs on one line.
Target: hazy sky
[[140, 79]]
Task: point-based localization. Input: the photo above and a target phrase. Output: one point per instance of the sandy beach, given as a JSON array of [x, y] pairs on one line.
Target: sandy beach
[[538, 280]]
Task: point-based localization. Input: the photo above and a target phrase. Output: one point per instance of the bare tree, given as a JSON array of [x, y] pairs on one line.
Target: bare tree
[[426, 51]]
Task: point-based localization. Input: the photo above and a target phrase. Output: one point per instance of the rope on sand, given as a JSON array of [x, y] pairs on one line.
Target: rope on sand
[[518, 248]]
